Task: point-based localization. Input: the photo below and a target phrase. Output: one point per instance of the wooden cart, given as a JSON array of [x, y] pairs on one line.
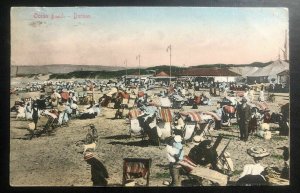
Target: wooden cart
[[134, 168]]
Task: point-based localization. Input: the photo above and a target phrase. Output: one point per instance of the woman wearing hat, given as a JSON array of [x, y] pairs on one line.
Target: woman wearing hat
[[253, 173], [98, 170], [243, 118], [175, 154]]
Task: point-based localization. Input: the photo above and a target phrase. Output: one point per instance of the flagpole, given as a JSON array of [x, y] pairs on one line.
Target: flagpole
[[170, 63], [126, 71], [139, 57], [139, 66], [169, 47]]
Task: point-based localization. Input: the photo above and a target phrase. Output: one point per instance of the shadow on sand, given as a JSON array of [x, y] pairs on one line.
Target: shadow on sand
[[117, 137], [191, 183], [21, 128], [166, 166], [142, 143], [27, 136]]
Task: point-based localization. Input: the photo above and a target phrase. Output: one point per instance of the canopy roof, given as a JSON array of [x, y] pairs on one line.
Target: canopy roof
[[284, 73], [162, 74], [271, 70]]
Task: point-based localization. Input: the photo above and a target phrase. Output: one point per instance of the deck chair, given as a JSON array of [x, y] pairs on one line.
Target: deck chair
[[135, 168], [224, 161], [196, 171], [189, 131], [207, 128], [90, 95], [52, 121], [165, 115], [209, 174], [135, 127]]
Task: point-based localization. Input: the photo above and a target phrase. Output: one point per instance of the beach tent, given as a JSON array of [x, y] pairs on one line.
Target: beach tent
[[269, 72]]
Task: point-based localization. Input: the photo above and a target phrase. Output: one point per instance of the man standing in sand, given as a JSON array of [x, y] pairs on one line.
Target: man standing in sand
[[243, 118]]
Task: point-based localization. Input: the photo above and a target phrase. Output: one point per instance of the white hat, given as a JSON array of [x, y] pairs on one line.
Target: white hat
[[74, 99], [258, 152], [178, 138], [197, 138], [31, 126]]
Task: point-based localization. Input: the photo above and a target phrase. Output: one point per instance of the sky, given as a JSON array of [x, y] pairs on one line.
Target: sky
[[111, 35]]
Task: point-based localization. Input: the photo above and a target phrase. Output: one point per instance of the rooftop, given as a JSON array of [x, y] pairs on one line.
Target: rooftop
[[208, 72]]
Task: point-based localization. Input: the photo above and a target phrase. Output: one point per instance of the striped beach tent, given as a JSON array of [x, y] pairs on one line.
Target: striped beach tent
[[195, 116], [166, 115], [214, 115], [134, 113], [261, 105]]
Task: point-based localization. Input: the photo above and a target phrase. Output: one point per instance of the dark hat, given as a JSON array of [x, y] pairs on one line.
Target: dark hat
[[206, 142], [286, 153], [244, 100], [283, 148]]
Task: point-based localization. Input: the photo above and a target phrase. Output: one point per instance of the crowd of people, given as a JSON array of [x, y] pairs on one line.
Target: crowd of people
[[64, 101]]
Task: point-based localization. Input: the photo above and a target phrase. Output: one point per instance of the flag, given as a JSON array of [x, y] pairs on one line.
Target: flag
[[169, 47], [137, 56]]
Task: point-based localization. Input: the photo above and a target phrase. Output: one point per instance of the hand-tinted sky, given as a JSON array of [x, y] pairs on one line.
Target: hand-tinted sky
[[112, 34]]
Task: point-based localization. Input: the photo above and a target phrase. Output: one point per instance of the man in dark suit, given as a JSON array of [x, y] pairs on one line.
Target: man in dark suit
[[243, 118]]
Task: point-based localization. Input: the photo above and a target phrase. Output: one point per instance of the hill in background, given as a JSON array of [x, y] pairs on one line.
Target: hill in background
[[58, 69], [92, 71]]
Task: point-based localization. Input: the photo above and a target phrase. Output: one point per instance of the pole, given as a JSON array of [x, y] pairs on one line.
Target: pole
[[126, 72], [285, 46], [139, 57], [169, 47], [139, 66], [170, 63]]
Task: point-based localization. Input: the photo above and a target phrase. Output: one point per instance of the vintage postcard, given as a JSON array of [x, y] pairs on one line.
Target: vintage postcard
[[149, 96]]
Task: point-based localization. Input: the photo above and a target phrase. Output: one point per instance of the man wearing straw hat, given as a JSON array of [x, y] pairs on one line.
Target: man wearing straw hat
[[98, 170]]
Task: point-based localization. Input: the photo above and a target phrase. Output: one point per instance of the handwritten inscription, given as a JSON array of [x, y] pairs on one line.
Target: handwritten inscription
[[81, 16], [40, 16], [57, 16], [61, 16]]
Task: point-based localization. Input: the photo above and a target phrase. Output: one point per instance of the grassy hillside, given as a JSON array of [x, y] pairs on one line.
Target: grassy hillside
[[254, 64], [107, 73], [113, 74]]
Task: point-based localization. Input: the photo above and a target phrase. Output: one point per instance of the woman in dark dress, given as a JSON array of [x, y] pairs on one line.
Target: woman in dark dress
[[35, 114], [98, 170]]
